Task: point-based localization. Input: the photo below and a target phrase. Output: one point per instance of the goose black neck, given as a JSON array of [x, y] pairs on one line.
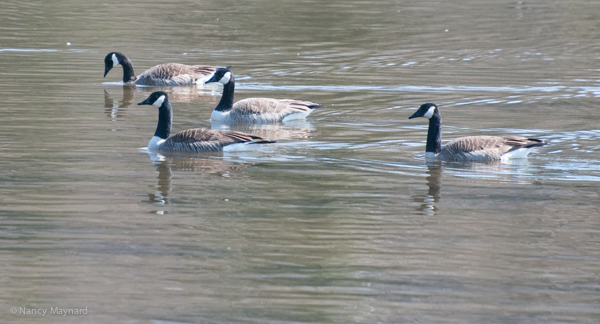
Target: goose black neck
[[128, 74], [226, 102], [434, 134], [165, 117]]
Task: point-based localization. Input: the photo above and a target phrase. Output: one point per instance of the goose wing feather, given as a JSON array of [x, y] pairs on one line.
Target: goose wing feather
[[200, 140], [485, 147], [268, 109], [174, 74]]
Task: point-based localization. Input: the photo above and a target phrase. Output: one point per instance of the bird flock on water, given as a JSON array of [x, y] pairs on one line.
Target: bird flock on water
[[269, 110]]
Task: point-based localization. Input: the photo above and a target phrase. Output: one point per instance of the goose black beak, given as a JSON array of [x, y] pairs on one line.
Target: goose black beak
[[416, 114], [106, 69], [211, 79], [145, 102]]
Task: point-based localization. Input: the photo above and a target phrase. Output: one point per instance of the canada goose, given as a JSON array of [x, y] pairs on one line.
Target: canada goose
[[197, 140], [255, 110], [170, 74], [473, 148]]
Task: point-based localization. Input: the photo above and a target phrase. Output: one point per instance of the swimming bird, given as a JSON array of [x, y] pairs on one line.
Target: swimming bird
[[170, 74], [472, 148], [255, 110], [197, 140]]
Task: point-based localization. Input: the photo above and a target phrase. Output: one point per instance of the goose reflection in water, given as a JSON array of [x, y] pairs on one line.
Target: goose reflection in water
[[165, 165], [434, 182], [294, 129], [117, 110], [482, 171], [206, 97], [164, 184]]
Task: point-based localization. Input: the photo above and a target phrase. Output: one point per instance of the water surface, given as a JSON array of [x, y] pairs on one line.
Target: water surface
[[342, 220]]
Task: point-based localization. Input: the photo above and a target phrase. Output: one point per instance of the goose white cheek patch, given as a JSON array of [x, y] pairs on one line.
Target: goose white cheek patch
[[159, 101], [115, 60], [225, 79], [429, 112]]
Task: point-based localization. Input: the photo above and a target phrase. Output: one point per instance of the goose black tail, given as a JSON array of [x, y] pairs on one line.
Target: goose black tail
[[262, 142], [533, 142]]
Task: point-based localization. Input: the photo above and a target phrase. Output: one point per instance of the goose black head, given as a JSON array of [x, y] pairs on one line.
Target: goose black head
[[427, 110], [110, 61], [156, 99], [222, 75]]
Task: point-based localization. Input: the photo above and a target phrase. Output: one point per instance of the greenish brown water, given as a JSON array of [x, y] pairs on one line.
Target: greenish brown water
[[341, 221]]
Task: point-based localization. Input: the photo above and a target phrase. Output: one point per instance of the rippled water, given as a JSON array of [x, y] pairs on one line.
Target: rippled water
[[342, 220]]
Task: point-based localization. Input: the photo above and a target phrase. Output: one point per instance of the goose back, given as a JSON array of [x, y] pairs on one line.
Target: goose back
[[175, 74]]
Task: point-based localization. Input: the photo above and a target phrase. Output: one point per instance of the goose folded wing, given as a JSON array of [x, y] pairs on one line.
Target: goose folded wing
[[174, 70], [212, 136], [201, 140], [201, 70], [475, 143]]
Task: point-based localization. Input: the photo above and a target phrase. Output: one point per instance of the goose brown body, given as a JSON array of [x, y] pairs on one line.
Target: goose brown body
[[485, 148], [265, 110], [174, 74]]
